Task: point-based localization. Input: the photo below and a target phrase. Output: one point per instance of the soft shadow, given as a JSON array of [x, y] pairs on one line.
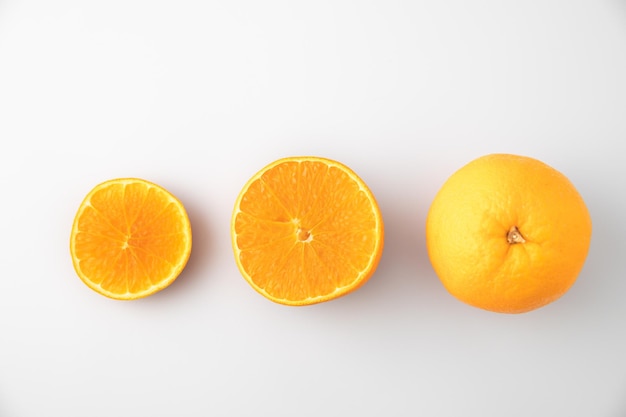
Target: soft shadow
[[405, 255]]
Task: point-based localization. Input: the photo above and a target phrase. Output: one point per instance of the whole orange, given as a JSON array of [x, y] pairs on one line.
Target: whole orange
[[508, 233]]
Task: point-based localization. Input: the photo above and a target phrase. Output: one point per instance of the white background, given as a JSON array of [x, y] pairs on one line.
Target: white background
[[199, 95]]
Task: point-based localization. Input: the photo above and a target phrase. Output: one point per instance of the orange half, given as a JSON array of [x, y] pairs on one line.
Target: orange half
[[130, 238], [306, 230]]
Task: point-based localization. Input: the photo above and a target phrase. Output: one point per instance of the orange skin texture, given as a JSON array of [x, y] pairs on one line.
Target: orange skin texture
[[472, 215]]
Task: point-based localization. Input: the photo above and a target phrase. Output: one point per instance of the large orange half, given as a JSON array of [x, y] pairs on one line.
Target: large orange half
[[306, 230], [130, 238]]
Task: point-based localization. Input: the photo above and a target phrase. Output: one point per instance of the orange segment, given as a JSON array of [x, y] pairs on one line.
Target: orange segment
[[306, 230], [130, 238]]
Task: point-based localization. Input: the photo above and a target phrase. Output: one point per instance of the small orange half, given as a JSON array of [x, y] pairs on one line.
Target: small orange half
[[306, 230], [130, 238]]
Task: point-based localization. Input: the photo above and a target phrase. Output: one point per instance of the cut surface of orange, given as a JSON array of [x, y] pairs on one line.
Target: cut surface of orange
[[508, 233], [306, 230], [130, 238]]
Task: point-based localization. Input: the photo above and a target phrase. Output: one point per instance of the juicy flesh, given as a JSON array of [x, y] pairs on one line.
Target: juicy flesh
[[130, 238], [305, 230]]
